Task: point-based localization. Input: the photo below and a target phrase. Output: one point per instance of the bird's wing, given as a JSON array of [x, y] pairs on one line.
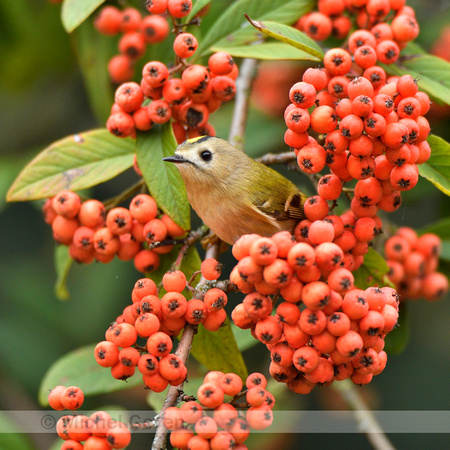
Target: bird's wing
[[281, 206]]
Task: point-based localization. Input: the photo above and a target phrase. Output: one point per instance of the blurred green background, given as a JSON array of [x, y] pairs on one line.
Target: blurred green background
[[43, 99]]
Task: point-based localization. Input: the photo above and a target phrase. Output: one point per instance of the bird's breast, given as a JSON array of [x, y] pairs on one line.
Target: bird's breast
[[230, 218]]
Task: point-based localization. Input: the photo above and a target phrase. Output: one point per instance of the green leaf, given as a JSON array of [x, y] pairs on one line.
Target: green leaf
[[266, 50], [372, 272], [63, 263], [94, 50], [433, 73], [79, 368], [397, 339], [218, 350], [445, 253], [196, 7], [75, 162], [441, 228], [75, 12], [437, 168], [10, 436], [289, 35], [231, 21], [163, 179], [244, 338]]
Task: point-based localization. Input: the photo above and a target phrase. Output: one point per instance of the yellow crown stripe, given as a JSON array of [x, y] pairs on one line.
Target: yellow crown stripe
[[192, 140]]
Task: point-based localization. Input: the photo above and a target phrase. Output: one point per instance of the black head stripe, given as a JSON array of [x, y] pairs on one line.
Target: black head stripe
[[202, 139]]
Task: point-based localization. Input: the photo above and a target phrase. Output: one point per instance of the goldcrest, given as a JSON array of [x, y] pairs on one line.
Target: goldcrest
[[232, 193]]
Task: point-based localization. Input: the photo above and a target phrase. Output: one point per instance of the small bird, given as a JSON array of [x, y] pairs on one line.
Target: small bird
[[232, 193]]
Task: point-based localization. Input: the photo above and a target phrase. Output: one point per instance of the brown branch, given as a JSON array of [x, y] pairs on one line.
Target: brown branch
[[243, 85], [367, 422], [183, 350]]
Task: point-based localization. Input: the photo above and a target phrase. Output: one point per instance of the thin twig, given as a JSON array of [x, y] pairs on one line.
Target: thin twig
[[367, 422], [140, 186], [277, 158], [183, 350], [239, 120]]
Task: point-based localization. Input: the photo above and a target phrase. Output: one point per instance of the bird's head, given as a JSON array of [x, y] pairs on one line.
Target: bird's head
[[205, 160]]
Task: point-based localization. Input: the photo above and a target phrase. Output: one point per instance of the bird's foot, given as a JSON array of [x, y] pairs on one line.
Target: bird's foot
[[213, 239]]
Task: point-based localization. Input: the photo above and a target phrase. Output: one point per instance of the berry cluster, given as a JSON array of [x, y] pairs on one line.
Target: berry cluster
[[372, 132], [188, 100], [412, 262], [161, 96], [98, 431], [137, 32], [323, 330], [92, 233], [389, 21], [225, 426], [158, 320]]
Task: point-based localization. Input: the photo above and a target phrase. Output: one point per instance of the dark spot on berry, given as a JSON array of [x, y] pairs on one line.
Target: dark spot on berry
[[373, 331], [338, 88], [298, 97], [257, 304], [361, 300], [313, 29], [403, 183], [243, 276], [266, 337], [149, 31], [366, 361], [390, 54], [312, 319], [161, 347], [337, 61], [185, 7], [375, 77], [173, 362], [120, 221], [307, 164], [150, 364], [302, 361], [335, 317], [173, 305], [193, 117], [265, 249], [282, 278]]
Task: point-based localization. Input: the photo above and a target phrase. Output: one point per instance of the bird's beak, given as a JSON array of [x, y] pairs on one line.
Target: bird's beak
[[175, 159]]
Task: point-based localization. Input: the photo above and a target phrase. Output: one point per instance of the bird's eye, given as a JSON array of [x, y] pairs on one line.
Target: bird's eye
[[206, 155]]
